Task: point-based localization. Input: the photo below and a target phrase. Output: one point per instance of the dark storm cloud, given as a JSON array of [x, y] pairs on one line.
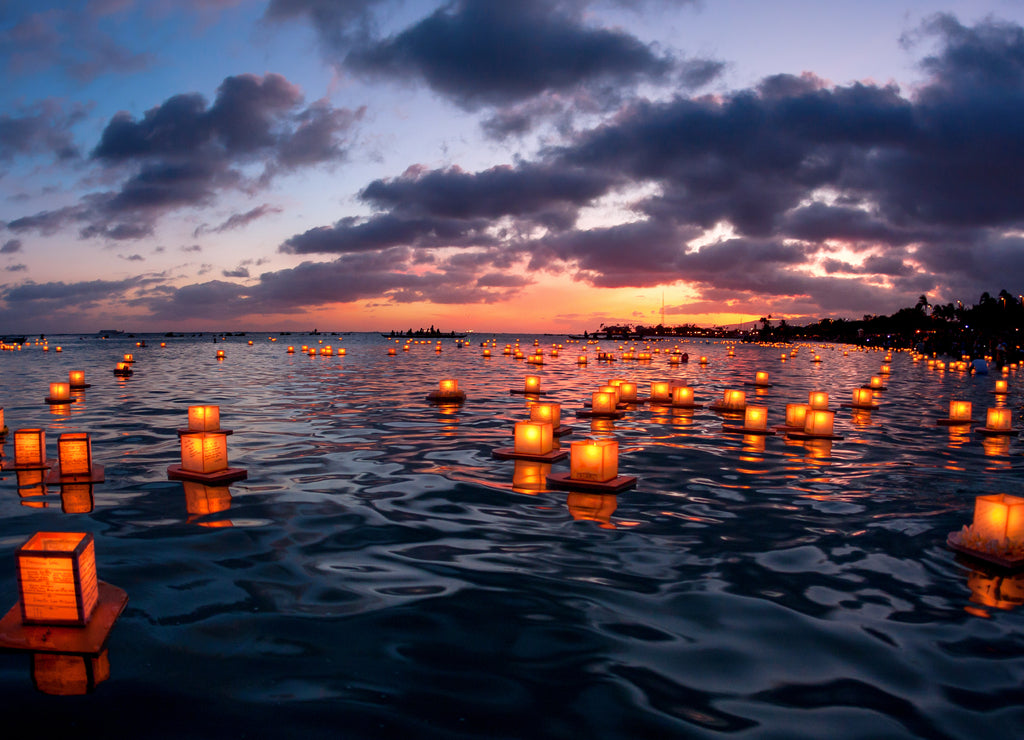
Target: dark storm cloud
[[44, 129], [493, 52], [386, 230], [185, 153]]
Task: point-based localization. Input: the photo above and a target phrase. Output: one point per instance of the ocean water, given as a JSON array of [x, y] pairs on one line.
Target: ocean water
[[380, 574]]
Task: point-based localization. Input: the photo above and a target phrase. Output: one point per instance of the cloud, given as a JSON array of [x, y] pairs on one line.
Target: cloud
[[16, 268], [45, 128], [238, 272], [238, 220], [11, 246]]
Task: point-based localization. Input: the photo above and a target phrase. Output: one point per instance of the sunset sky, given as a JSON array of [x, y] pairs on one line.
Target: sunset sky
[[538, 165]]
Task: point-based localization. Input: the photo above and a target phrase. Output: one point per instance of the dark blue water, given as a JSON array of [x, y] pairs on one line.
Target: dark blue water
[[380, 574]]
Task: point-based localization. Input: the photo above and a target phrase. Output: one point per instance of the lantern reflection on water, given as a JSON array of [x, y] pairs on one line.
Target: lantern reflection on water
[[69, 675], [593, 507]]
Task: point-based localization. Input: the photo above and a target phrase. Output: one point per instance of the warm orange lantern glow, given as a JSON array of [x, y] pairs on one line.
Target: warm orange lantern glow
[[57, 578], [581, 360], [594, 507], [290, 350], [448, 387], [129, 357], [819, 422], [201, 499], [533, 438], [862, 397], [682, 395], [877, 382], [999, 517], [76, 378], [531, 384], [76, 498], [203, 418], [604, 402], [547, 412], [594, 460], [530, 475], [817, 358], [59, 392], [761, 378], [703, 360], [613, 389], [755, 418], [487, 353], [74, 451], [661, 390], [123, 368], [999, 419], [960, 410], [818, 400], [392, 351], [627, 392], [796, 415], [1001, 387], [204, 452], [69, 675], [29, 447], [220, 354], [734, 400]]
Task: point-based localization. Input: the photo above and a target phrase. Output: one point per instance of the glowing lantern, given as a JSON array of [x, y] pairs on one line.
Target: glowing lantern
[[76, 379], [57, 578], [123, 369], [392, 352], [755, 418], [220, 354], [682, 396], [761, 378], [998, 419], [74, 452], [613, 389], [960, 411], [673, 360], [533, 438], [204, 452], [819, 423], [817, 358], [581, 360], [818, 400], [341, 351], [603, 402], [796, 415], [594, 460], [29, 447], [877, 383], [487, 353], [731, 352], [203, 418], [163, 344], [661, 390], [3, 427], [1001, 387], [250, 342], [531, 384], [627, 392], [703, 360], [885, 370], [734, 400], [999, 517], [547, 412], [59, 393], [129, 357], [447, 391], [862, 397]]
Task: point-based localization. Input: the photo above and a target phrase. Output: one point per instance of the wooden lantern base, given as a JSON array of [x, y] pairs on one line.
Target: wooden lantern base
[[954, 542], [521, 392], [443, 398], [688, 406], [860, 406], [565, 482], [56, 478], [59, 401], [509, 453], [124, 373], [876, 388], [205, 431], [87, 640], [732, 429], [561, 431], [784, 429], [175, 472], [954, 422], [81, 387], [584, 414], [722, 409], [805, 435], [46, 465], [758, 385], [986, 432]]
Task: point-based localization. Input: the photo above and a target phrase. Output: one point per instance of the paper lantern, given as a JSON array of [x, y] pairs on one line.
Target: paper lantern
[[448, 387], [531, 384], [682, 396], [204, 452], [1001, 387], [998, 419], [76, 379], [220, 354], [703, 360], [661, 390], [74, 453], [203, 418], [816, 358], [603, 402], [487, 353], [123, 369], [290, 350], [960, 410], [673, 360], [818, 400], [627, 392], [877, 382], [755, 418], [734, 400], [761, 378], [862, 397], [341, 352], [999, 517], [59, 393], [819, 422], [594, 460], [392, 352], [533, 438], [129, 357], [57, 578], [796, 415], [29, 447], [581, 360], [3, 426], [885, 370], [547, 412], [613, 389]]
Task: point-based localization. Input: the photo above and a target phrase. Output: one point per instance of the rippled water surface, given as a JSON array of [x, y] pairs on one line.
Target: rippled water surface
[[380, 573]]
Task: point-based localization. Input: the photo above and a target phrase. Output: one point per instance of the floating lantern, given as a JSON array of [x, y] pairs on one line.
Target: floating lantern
[[250, 342], [673, 360], [703, 360], [447, 392], [581, 360], [550, 413], [76, 379], [220, 354], [204, 419], [595, 460], [29, 450], [533, 438], [531, 384], [487, 352], [877, 383], [661, 391], [129, 357], [604, 402], [3, 426], [204, 453], [816, 358], [959, 413], [885, 370], [863, 399], [731, 352], [341, 351], [59, 393], [997, 532], [682, 397], [755, 421], [74, 459], [627, 392], [761, 379], [783, 357], [123, 369], [819, 423], [796, 415], [732, 400], [392, 352], [818, 400], [998, 421], [1001, 388], [57, 578]]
